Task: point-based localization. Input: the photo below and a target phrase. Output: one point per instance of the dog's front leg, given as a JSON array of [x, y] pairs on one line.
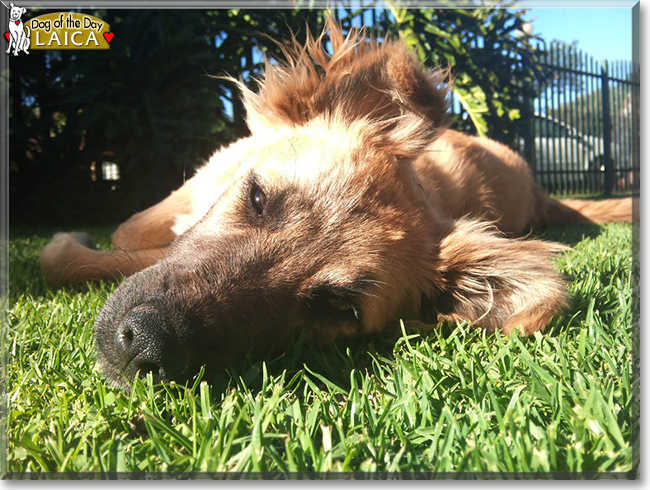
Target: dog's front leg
[[26, 44], [17, 44], [70, 258]]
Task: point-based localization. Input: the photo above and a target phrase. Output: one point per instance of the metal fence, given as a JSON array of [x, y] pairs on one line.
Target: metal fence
[[581, 135], [584, 134]]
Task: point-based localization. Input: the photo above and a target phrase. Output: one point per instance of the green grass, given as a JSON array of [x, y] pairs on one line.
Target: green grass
[[451, 400]]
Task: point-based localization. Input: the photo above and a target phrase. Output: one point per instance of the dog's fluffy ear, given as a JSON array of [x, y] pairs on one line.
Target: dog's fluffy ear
[[402, 106], [382, 86], [495, 282]]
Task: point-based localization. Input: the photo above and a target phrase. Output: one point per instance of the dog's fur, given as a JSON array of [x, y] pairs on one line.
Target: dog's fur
[[372, 212], [18, 38]]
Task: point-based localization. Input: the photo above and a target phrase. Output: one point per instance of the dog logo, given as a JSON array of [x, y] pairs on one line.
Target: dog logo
[[17, 37]]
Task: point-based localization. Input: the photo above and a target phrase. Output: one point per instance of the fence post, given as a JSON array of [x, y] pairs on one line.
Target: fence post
[[528, 117], [607, 132]]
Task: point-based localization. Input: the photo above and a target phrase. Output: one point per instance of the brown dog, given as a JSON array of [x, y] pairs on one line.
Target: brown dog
[[348, 208]]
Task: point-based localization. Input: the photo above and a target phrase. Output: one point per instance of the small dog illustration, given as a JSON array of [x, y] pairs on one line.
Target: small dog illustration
[[18, 38]]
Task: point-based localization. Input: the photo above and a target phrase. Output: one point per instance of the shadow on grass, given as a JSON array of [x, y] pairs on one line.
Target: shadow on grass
[[334, 362], [568, 235]]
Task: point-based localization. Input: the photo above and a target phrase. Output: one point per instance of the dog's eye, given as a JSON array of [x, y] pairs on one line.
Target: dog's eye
[[258, 199], [329, 305], [343, 306]]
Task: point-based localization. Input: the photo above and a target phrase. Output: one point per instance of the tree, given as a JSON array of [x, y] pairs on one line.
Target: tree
[[151, 104], [493, 64]]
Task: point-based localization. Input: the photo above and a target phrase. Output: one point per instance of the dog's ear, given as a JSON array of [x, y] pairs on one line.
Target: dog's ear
[[24, 10], [495, 282], [382, 86], [402, 106]]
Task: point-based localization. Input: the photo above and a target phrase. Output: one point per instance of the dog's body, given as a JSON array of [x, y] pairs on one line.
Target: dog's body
[[18, 38], [348, 208]]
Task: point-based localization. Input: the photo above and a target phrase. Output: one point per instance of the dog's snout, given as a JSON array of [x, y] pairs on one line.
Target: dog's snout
[[144, 343]]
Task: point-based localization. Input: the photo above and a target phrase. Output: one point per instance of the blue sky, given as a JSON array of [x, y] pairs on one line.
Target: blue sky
[[604, 33]]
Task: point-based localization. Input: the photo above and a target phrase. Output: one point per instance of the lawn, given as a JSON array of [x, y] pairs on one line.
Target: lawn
[[422, 403]]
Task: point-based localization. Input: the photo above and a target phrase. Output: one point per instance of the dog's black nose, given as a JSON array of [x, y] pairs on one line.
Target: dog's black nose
[[144, 343]]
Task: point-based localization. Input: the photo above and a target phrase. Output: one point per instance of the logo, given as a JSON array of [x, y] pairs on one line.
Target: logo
[[59, 30], [16, 35]]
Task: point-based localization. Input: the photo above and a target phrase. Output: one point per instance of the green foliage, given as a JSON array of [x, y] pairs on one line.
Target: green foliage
[[151, 104], [451, 400], [145, 104], [492, 63]]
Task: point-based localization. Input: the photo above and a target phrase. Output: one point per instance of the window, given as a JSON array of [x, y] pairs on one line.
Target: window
[[110, 171]]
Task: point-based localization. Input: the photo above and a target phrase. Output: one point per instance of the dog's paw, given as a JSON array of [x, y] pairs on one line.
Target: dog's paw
[[59, 256], [81, 238]]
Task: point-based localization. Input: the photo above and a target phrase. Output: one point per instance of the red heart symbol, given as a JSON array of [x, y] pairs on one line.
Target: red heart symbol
[[7, 36], [17, 22], [108, 36]]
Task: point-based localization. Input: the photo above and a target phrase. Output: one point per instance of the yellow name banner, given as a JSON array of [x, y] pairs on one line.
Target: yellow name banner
[[69, 30]]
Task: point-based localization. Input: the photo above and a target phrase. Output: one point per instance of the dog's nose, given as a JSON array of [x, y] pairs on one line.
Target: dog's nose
[[144, 343]]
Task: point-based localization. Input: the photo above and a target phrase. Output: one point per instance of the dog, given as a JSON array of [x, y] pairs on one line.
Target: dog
[[18, 38], [349, 207]]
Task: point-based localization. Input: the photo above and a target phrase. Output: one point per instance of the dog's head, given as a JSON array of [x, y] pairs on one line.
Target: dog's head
[[15, 13], [325, 227]]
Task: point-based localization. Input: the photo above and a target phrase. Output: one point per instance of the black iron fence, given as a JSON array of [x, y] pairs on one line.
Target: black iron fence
[[582, 135]]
